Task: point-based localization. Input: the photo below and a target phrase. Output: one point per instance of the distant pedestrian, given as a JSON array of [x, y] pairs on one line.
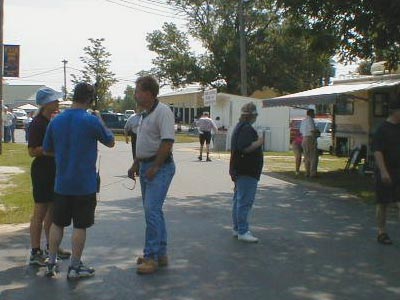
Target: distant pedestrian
[[298, 151], [27, 123], [386, 147], [246, 165], [13, 125], [72, 137], [155, 165], [8, 122], [218, 123], [206, 125], [309, 143], [43, 172], [130, 129]]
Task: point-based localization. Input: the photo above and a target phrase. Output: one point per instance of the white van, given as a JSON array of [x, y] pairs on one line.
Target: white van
[[325, 140]]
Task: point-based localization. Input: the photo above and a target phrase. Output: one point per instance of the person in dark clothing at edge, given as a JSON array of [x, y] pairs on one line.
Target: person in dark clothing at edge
[[245, 168], [386, 147]]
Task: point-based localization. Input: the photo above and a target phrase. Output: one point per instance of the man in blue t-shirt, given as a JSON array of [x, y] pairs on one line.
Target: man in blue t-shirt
[[72, 138]]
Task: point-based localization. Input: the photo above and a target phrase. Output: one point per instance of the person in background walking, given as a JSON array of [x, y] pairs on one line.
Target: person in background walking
[[205, 125], [13, 125], [8, 121], [43, 172], [130, 129], [72, 138], [309, 144], [245, 168], [298, 151], [27, 123], [155, 165], [386, 147]]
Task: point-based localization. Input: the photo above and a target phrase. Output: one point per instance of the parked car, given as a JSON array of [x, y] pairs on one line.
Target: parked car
[[129, 112], [325, 140], [114, 121], [21, 117], [324, 125]]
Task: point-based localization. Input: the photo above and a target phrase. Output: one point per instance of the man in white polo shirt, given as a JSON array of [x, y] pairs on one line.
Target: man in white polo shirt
[[155, 165], [309, 144]]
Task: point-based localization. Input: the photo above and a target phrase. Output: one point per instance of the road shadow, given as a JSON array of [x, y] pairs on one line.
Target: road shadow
[[312, 246]]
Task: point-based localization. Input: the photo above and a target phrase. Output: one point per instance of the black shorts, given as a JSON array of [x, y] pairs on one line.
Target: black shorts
[[386, 194], [205, 137], [79, 209], [43, 173]]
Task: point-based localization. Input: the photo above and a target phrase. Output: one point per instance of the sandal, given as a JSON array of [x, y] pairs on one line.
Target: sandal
[[384, 239]]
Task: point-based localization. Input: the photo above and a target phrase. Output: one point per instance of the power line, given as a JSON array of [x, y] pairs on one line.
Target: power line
[[41, 73], [152, 3], [163, 5], [145, 11]]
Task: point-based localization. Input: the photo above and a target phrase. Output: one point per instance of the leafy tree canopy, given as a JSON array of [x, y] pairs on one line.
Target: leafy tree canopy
[[96, 65], [368, 29], [282, 52]]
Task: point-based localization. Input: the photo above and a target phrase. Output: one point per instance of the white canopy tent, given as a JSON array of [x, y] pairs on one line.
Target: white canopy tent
[[28, 107], [326, 94]]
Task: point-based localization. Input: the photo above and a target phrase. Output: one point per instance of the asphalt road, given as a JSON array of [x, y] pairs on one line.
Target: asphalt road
[[314, 245]]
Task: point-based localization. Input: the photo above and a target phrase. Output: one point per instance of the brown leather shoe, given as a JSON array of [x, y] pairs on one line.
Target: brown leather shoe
[[162, 261], [148, 266]]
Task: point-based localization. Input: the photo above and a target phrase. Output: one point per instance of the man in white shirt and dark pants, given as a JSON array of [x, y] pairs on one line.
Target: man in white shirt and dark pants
[[309, 144], [206, 125]]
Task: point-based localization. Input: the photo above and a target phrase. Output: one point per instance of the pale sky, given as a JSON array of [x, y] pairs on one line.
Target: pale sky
[[52, 30]]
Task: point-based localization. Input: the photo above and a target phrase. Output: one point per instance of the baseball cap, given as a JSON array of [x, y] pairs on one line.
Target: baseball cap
[[249, 109], [47, 95]]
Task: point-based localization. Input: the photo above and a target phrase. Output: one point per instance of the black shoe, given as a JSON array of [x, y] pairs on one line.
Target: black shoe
[[200, 158], [208, 159], [384, 239], [51, 270], [37, 259], [81, 271]]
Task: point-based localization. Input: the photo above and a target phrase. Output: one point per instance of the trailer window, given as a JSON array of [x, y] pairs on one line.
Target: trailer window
[[344, 107], [381, 105]]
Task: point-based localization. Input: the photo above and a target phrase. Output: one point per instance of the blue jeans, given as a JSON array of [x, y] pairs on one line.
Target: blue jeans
[[243, 199], [7, 134], [154, 193]]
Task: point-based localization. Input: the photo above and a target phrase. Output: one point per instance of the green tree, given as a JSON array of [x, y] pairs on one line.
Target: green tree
[[282, 52], [368, 29], [175, 64], [129, 101], [96, 70]]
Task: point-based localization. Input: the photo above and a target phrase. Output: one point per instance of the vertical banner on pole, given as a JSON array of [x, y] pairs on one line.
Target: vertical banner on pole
[[11, 61]]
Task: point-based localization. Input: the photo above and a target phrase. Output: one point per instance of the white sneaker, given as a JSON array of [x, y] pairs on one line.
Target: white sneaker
[[235, 233], [247, 237]]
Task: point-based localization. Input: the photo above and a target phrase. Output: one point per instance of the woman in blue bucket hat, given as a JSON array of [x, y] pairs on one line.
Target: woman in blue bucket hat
[[43, 170]]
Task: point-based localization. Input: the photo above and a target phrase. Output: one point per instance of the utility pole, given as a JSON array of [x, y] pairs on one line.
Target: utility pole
[[1, 72], [243, 54], [65, 78]]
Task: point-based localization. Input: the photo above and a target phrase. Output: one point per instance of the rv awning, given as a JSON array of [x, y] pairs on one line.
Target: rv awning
[[325, 95]]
